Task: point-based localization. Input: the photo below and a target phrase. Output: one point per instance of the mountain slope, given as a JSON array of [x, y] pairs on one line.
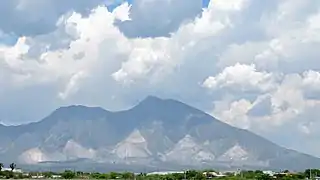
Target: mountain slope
[[153, 133]]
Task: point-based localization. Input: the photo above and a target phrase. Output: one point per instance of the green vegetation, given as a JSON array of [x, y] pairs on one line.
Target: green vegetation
[[10, 173]]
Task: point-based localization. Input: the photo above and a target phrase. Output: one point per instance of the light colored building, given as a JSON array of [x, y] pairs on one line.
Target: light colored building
[[270, 173], [166, 172], [37, 177], [213, 174], [56, 176]]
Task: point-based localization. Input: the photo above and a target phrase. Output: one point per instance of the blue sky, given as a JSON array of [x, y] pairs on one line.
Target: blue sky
[[245, 62], [11, 38], [204, 2]]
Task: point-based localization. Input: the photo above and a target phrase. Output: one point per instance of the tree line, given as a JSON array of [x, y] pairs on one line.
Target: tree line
[[190, 175]]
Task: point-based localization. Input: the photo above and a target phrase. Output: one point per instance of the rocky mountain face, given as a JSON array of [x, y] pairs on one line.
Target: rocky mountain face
[[156, 132]]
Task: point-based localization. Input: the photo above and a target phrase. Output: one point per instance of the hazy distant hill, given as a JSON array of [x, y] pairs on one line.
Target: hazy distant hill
[[157, 132]]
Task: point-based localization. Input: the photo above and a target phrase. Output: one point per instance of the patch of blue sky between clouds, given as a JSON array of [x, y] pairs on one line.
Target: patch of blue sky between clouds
[[111, 7], [9, 40], [117, 3], [205, 3]]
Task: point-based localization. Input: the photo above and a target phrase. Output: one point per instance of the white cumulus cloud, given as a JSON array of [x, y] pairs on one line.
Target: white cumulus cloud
[[252, 64]]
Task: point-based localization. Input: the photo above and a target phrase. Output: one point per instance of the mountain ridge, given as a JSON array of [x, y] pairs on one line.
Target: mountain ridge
[[154, 132]]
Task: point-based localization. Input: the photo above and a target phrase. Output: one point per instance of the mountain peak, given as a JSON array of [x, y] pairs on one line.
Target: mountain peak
[[157, 106], [152, 99], [156, 102]]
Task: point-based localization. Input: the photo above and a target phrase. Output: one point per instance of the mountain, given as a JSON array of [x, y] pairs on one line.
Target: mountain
[[159, 133]]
